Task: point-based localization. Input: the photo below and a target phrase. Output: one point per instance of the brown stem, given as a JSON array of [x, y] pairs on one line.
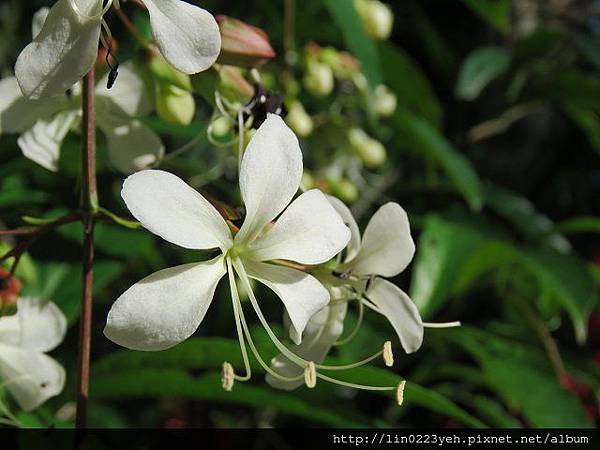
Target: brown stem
[[90, 206], [289, 22], [546, 338], [41, 229], [131, 28]]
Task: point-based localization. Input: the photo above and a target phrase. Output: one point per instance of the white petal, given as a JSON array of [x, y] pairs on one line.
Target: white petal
[[309, 231], [354, 245], [322, 331], [128, 95], [38, 325], [132, 146], [301, 293], [187, 35], [400, 310], [269, 176], [164, 308], [18, 114], [38, 21], [171, 209], [42, 142], [63, 51], [30, 376], [387, 247]]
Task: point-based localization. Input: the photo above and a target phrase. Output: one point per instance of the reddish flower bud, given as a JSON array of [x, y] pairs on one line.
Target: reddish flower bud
[[243, 44], [9, 293]]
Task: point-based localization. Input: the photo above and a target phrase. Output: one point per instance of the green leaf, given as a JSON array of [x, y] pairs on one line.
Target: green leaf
[[521, 213], [587, 119], [452, 256], [584, 224], [443, 251], [360, 45], [113, 240], [479, 69], [523, 379], [569, 282], [422, 137], [61, 283], [153, 382], [494, 12], [409, 83], [208, 353]]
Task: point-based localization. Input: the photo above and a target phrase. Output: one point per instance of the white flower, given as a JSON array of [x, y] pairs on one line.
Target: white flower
[[29, 375], [166, 307], [66, 46], [44, 123], [386, 249]]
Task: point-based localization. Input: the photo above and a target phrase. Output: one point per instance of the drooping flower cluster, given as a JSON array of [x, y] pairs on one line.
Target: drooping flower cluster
[[43, 124], [27, 373], [65, 47]]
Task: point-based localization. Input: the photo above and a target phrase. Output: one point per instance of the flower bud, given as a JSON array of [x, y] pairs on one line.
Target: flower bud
[[243, 44], [299, 120], [174, 105], [344, 65], [9, 293], [344, 189], [371, 151], [377, 18], [384, 101], [234, 86], [318, 79], [164, 72], [221, 127], [310, 375]]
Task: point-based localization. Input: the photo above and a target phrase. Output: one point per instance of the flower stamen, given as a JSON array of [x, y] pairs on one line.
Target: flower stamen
[[388, 355], [310, 375], [227, 376], [400, 392]]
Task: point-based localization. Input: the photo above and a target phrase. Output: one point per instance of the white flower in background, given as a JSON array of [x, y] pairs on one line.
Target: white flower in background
[[44, 124], [167, 307], [25, 371], [384, 251], [65, 48]]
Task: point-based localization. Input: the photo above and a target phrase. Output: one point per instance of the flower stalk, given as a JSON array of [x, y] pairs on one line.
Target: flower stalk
[[89, 198]]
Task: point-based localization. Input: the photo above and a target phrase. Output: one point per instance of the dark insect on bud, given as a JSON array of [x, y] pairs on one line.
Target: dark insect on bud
[[263, 103]]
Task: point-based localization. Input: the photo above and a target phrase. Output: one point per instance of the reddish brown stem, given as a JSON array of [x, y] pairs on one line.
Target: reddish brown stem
[[90, 205]]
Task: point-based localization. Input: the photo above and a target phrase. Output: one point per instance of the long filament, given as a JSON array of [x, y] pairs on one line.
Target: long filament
[[235, 301]]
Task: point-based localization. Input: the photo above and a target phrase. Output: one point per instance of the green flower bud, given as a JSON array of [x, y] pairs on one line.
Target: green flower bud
[[221, 127], [299, 120], [165, 73], [318, 79], [377, 18], [174, 105], [371, 151], [344, 189], [384, 101]]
